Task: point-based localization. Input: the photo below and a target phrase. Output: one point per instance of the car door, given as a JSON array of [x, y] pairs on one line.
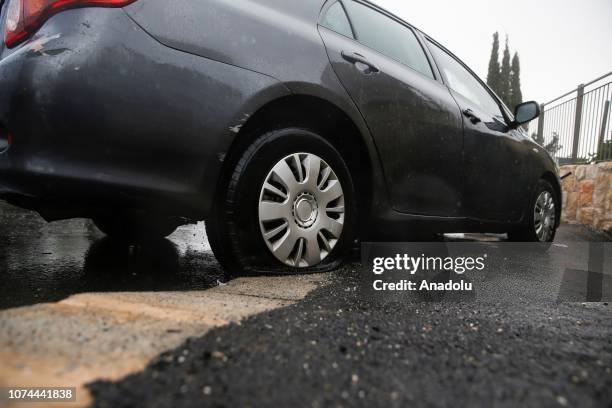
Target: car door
[[496, 157], [414, 120]]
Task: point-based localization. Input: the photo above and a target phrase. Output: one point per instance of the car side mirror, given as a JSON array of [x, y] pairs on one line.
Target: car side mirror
[[525, 112]]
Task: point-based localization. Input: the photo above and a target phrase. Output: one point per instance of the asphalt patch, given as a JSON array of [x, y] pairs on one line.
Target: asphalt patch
[[340, 348]]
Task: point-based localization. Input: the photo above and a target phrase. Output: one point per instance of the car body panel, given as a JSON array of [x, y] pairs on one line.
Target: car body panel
[[72, 118], [275, 37], [494, 150], [278, 38], [416, 125], [139, 107], [498, 162]]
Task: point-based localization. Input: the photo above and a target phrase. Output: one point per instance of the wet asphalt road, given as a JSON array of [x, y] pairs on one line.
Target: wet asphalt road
[[336, 347], [45, 262]]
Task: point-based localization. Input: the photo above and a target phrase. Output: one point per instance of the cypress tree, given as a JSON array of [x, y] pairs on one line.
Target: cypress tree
[[504, 92], [493, 77], [515, 82]]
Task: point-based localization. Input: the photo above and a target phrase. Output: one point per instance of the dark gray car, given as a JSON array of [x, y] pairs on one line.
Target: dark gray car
[[293, 127]]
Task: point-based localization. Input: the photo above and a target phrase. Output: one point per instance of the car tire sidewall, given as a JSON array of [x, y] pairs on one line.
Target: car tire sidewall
[[245, 189], [528, 233]]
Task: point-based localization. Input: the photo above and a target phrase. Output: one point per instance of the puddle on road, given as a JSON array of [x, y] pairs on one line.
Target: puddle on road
[[43, 262]]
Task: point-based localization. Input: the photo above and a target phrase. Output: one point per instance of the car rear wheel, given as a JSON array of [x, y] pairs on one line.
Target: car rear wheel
[[541, 220], [288, 207], [135, 229]]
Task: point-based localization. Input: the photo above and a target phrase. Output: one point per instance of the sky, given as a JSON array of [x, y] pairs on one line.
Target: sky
[[561, 43]]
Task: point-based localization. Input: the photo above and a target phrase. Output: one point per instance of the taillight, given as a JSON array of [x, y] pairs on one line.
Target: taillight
[[24, 17]]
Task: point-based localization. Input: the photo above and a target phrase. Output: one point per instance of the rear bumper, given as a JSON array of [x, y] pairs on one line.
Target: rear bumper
[[103, 116]]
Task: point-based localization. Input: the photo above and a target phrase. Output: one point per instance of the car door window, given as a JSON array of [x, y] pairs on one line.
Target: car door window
[[462, 81], [388, 37], [336, 20]]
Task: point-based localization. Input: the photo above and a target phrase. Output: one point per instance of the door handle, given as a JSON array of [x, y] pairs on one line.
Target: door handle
[[471, 116], [355, 58]]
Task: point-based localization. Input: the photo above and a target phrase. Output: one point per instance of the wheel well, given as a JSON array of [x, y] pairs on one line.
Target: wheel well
[[320, 116], [550, 177]]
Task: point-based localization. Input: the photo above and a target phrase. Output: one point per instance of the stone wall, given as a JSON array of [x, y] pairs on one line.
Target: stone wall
[[587, 195]]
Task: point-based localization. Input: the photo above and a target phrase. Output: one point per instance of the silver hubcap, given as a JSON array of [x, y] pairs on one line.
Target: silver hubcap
[[301, 210], [544, 216]]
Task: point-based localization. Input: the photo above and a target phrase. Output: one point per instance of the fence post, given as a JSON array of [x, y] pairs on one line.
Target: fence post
[[578, 121], [541, 122], [602, 134]]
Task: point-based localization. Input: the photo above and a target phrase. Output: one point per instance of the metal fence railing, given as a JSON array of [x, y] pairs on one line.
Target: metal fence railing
[[576, 127]]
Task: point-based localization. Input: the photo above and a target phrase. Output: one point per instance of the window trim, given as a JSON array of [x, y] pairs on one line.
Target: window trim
[[423, 39], [324, 11], [432, 66], [502, 108]]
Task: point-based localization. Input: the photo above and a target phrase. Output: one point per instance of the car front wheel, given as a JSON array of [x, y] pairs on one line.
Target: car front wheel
[[541, 220]]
